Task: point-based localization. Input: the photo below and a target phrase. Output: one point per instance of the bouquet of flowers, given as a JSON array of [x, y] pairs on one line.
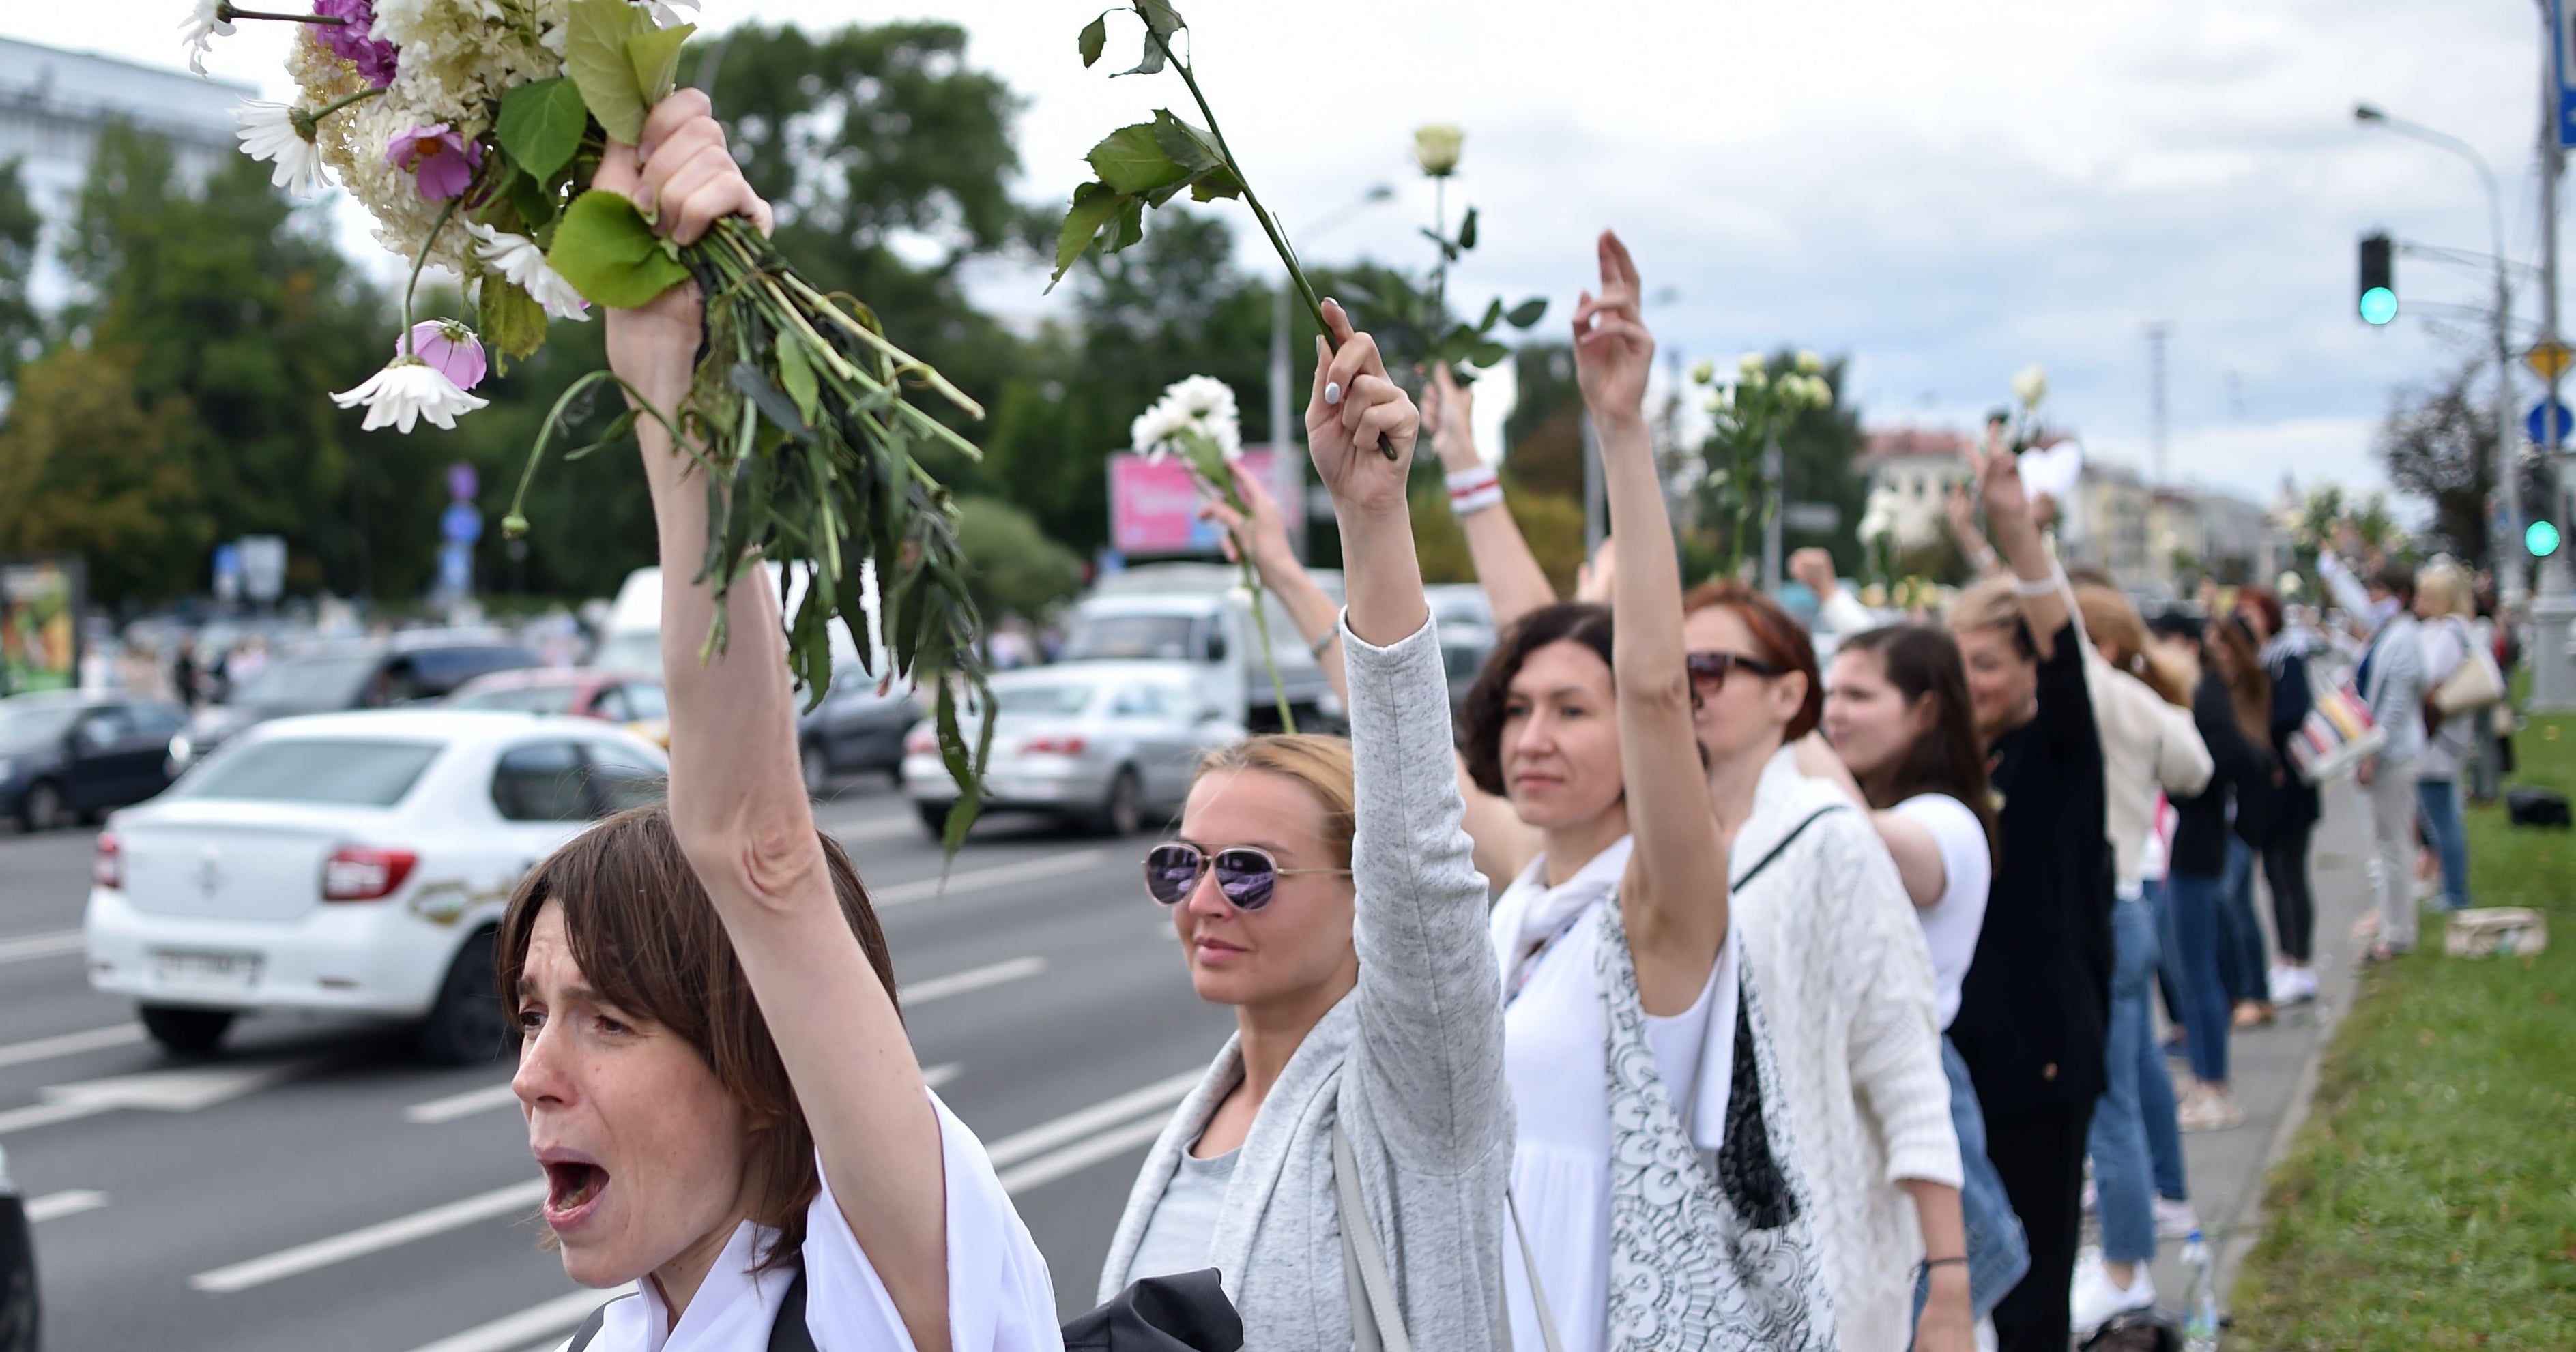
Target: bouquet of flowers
[[1197, 423], [1746, 417], [470, 130]]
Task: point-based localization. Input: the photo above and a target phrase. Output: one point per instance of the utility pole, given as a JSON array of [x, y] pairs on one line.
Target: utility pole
[[2157, 331], [2553, 677], [1287, 476]]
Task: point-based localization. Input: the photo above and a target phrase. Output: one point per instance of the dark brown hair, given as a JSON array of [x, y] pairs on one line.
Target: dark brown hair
[[2262, 599], [1923, 663], [1481, 714], [2396, 578], [647, 939], [1784, 642], [2249, 686]]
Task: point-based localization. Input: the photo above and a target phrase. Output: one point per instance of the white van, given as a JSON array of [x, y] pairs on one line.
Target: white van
[[1198, 618]]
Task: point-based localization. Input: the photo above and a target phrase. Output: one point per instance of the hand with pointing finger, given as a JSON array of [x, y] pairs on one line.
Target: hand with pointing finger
[[1355, 418]]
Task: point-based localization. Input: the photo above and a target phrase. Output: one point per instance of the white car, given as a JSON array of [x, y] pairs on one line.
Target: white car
[[1100, 744], [349, 863]]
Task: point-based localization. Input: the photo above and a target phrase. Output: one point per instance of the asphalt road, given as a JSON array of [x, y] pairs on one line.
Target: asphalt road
[[319, 1189]]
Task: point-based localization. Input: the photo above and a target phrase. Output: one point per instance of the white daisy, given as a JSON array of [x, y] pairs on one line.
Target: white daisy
[[406, 391], [205, 22], [268, 132], [518, 258]]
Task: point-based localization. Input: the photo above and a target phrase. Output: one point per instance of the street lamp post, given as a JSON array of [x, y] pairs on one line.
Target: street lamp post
[[2511, 559], [1288, 476]]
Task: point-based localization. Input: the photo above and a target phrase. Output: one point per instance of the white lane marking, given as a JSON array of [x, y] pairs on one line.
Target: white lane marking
[[874, 830], [1081, 1155], [972, 979], [1076, 1125], [998, 875], [29, 947], [935, 1076], [454, 1106], [54, 1206], [368, 1239], [511, 1332], [70, 1044], [184, 1090]]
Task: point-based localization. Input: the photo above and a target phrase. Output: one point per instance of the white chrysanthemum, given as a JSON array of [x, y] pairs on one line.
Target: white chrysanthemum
[[518, 258], [1201, 404], [197, 32], [406, 391], [1750, 365], [1809, 364], [268, 133], [2030, 385]]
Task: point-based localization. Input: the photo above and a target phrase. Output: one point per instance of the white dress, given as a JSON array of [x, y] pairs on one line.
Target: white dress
[[1000, 1298], [1555, 1049]]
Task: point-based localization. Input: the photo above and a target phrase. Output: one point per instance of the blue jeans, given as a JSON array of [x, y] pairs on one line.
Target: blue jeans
[[1997, 1253], [2242, 971], [2195, 905], [2156, 1105], [2124, 1182], [2437, 805]]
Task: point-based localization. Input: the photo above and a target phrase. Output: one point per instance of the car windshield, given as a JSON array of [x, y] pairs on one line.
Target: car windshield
[[26, 724], [313, 681], [341, 771], [525, 699], [1042, 699], [1114, 637]]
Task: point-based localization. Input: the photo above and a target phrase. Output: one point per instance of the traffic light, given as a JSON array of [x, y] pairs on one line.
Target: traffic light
[[2378, 280], [2537, 487]]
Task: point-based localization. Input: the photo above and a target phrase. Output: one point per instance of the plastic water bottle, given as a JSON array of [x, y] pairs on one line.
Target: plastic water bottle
[[2200, 1318]]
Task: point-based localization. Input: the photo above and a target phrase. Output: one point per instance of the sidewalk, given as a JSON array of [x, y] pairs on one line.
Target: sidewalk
[[2274, 1067]]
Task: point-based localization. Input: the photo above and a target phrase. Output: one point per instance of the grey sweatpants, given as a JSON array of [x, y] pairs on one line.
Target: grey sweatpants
[[2391, 796]]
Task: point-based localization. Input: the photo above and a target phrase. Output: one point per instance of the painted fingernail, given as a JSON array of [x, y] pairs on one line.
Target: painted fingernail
[[1332, 391]]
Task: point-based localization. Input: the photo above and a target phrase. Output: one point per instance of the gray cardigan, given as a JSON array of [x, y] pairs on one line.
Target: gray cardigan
[[1410, 1063]]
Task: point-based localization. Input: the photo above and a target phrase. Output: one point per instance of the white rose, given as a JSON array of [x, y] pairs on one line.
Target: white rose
[[2030, 385]]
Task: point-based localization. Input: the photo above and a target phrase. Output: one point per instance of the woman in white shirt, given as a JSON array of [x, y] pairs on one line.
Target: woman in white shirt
[[714, 1073], [1899, 739]]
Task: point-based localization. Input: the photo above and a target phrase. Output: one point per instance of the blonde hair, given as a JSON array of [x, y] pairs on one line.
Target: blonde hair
[[2447, 583], [1987, 603], [2119, 633], [1322, 764]]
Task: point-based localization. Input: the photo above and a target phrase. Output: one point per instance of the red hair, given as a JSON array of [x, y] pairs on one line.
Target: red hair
[[1778, 639], [2262, 599]]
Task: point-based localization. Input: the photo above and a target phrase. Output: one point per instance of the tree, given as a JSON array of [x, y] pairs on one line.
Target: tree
[[1015, 569], [2440, 445], [89, 467], [21, 327]]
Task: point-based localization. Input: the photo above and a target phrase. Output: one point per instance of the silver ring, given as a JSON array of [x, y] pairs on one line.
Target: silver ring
[[1332, 391]]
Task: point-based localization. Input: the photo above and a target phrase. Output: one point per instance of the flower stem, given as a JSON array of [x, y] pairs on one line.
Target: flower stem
[[341, 102], [1261, 626], [227, 13], [417, 264]]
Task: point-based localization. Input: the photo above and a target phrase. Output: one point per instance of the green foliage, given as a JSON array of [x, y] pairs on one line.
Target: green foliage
[[20, 227], [88, 467], [604, 248], [2429, 1200], [1147, 164], [2439, 445], [541, 125], [1012, 568], [596, 57], [1797, 399]]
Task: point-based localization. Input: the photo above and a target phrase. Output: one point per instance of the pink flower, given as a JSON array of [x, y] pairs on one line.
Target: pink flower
[[374, 59], [450, 348], [440, 162]]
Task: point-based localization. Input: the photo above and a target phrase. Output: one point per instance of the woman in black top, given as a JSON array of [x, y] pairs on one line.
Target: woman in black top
[[2294, 804], [2195, 875], [2034, 1008]]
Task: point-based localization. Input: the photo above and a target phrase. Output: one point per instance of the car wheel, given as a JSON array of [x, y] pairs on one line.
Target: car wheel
[[42, 808], [1122, 813], [818, 770], [934, 819], [186, 1032], [465, 1026]]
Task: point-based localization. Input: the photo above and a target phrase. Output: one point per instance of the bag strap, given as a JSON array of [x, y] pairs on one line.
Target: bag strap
[[1377, 1322], [590, 1327], [787, 1333], [1785, 842], [1529, 1264]]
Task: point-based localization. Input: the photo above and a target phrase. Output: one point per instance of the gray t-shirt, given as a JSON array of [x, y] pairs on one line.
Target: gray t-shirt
[[1184, 1223]]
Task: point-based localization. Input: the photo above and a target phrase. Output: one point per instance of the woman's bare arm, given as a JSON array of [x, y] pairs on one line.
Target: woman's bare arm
[[1918, 856], [1674, 897], [1264, 536], [737, 800], [1514, 583]]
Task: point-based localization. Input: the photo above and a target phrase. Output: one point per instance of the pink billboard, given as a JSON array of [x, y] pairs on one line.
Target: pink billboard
[[1154, 506]]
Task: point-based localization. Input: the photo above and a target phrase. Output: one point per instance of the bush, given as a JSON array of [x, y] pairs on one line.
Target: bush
[[1013, 568]]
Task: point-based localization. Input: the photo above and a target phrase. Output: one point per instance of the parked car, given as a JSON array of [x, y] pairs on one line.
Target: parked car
[[858, 729], [65, 755], [18, 1322], [630, 698], [421, 664], [1196, 619], [1102, 745], [347, 863]]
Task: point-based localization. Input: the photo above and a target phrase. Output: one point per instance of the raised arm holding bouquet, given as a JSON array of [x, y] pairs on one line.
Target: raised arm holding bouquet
[[474, 132]]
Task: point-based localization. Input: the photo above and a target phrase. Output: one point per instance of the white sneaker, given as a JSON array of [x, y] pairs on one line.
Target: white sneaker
[[2303, 983], [2095, 1297], [2174, 1220], [2208, 1110], [2282, 984]]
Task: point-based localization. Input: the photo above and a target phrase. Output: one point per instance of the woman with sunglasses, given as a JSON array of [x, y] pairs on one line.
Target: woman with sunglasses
[[1324, 890]]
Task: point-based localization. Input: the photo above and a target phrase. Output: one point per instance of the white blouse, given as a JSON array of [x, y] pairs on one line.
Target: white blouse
[[1555, 1050], [1952, 923], [1000, 1298]]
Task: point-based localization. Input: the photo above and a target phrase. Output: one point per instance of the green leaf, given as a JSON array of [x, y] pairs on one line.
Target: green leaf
[[1215, 183], [1131, 224], [604, 248], [541, 125], [1526, 313], [1095, 36], [1093, 206], [512, 321], [797, 374], [1186, 145], [773, 405], [1488, 354], [595, 38], [655, 55], [1467, 231], [1161, 21], [536, 205], [1493, 312], [1131, 160]]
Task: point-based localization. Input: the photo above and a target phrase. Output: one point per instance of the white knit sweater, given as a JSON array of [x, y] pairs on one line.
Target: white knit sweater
[[1837, 958]]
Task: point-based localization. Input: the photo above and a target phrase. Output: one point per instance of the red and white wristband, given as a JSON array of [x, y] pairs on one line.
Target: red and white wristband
[[1474, 490]]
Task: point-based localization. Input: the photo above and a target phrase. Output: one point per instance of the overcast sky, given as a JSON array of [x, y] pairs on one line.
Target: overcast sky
[[1944, 192]]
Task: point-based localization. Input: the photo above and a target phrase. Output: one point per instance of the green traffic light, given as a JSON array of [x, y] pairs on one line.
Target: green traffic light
[[2541, 538], [2378, 305]]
